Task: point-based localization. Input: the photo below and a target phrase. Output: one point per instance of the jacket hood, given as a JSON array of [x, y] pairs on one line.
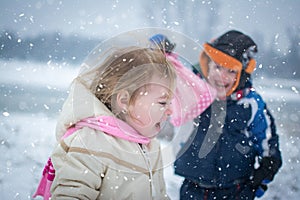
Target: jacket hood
[[81, 103]]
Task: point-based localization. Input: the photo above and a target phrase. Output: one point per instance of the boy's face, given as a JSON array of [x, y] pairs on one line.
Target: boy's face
[[221, 78], [151, 108]]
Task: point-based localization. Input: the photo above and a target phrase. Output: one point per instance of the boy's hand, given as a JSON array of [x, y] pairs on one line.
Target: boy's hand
[[260, 191], [266, 171], [264, 175]]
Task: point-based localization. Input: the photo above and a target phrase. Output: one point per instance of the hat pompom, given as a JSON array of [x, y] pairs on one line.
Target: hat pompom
[[162, 42]]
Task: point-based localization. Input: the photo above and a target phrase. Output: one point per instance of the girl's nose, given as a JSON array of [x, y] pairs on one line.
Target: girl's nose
[[169, 111]]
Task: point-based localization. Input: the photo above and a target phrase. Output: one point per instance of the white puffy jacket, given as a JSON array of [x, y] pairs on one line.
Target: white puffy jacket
[[90, 164]]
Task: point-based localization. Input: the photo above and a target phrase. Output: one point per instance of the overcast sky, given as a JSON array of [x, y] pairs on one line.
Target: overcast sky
[[105, 18]]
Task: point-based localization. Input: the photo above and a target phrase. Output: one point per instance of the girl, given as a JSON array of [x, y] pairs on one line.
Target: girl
[[116, 109]]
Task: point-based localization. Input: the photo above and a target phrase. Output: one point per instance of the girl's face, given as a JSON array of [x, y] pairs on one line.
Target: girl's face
[[151, 108], [221, 78]]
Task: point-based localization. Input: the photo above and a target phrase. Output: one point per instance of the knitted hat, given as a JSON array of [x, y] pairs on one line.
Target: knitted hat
[[233, 50], [162, 42]]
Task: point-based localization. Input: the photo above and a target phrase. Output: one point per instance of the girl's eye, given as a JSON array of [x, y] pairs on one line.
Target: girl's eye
[[163, 103]]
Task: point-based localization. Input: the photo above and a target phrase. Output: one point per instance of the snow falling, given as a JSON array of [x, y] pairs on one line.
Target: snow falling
[[30, 105], [38, 62]]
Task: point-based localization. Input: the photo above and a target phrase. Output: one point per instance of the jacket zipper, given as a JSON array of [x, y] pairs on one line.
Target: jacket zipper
[[148, 164]]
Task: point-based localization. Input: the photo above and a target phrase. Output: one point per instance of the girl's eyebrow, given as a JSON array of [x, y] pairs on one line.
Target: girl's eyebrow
[[165, 95]]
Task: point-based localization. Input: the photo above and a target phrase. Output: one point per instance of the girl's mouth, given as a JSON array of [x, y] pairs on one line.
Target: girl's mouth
[[157, 126]]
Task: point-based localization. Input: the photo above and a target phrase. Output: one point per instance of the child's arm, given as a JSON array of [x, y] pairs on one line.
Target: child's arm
[[266, 140], [77, 171], [271, 159]]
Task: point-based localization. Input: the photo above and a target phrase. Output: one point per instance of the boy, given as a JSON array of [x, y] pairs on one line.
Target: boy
[[218, 161]]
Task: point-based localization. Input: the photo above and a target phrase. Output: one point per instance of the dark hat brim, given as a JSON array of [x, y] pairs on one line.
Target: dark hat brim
[[222, 58]]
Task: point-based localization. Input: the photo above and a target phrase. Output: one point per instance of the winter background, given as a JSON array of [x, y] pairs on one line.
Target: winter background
[[43, 42]]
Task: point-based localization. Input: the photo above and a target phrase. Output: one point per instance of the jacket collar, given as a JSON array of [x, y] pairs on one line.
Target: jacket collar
[[240, 94]]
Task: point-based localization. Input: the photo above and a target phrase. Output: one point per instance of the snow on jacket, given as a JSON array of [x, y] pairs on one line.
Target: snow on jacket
[[227, 156], [90, 164]]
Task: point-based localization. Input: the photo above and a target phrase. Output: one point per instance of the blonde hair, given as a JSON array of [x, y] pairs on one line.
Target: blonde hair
[[130, 69]]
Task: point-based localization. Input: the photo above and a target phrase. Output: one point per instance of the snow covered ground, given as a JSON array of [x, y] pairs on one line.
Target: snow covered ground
[[32, 94]]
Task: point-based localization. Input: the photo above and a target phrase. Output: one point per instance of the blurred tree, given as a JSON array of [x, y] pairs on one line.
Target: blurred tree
[[193, 18], [45, 47], [292, 59]]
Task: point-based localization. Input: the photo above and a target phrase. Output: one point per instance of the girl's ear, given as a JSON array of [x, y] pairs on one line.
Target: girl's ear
[[123, 100]]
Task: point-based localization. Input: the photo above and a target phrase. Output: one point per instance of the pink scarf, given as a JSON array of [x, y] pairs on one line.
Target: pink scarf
[[107, 124], [112, 126]]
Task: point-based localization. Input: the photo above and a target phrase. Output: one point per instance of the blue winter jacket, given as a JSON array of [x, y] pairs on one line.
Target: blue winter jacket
[[230, 135]]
